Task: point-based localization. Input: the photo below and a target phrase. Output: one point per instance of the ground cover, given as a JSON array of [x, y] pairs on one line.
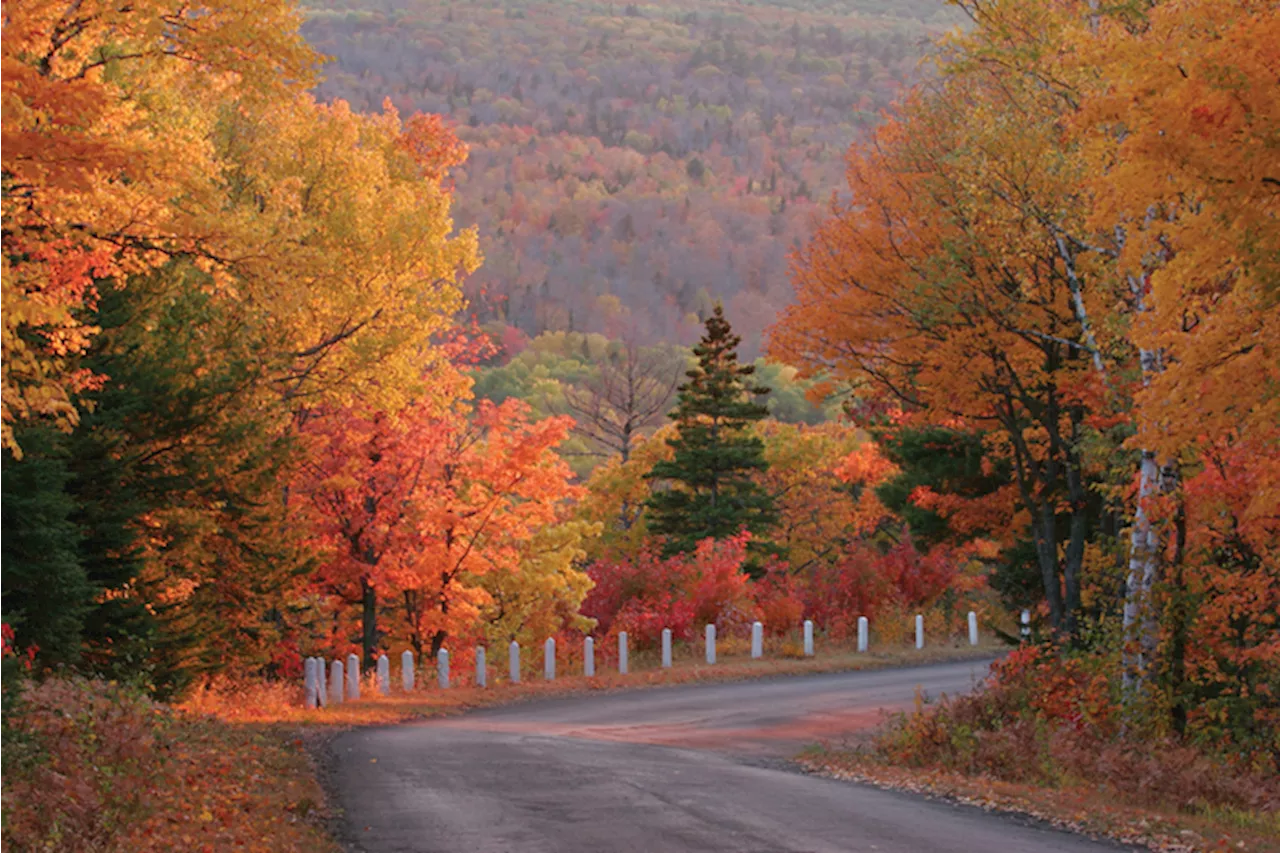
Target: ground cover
[[1046, 735]]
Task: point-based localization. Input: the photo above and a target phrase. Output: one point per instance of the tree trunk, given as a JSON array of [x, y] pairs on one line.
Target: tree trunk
[[1047, 557], [1140, 626], [369, 596]]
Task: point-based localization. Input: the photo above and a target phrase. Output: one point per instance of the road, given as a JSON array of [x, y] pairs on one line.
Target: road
[[690, 768]]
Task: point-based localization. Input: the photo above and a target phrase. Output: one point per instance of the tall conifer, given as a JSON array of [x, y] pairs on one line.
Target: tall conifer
[[710, 490]]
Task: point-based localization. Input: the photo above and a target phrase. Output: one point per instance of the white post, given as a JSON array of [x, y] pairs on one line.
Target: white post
[[513, 661], [973, 628], [757, 640], [589, 657], [549, 659], [335, 683], [862, 633], [1026, 625], [919, 631], [384, 675], [309, 682], [482, 677], [808, 638], [711, 643], [322, 685], [442, 669], [666, 648], [406, 670], [353, 677], [622, 652]]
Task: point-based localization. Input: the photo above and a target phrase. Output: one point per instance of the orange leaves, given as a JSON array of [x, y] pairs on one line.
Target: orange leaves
[[424, 506], [96, 147], [431, 144]]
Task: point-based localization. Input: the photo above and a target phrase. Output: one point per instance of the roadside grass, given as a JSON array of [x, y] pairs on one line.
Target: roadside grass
[[1077, 804], [1048, 735], [96, 767]]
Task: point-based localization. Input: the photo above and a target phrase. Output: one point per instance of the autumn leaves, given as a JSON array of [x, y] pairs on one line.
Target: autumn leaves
[[1065, 245], [199, 261]]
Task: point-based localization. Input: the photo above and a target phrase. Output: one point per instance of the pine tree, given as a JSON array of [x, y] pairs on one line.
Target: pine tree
[[711, 490]]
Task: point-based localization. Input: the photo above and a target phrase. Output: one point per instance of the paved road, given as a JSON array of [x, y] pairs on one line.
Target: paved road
[[691, 768]]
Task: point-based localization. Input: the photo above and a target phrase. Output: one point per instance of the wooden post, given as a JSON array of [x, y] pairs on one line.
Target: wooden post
[[353, 677], [384, 675], [322, 683], [406, 670], [335, 683], [442, 669], [309, 682]]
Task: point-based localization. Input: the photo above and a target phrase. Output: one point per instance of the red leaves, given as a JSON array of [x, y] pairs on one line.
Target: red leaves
[[431, 144], [421, 505], [646, 594]]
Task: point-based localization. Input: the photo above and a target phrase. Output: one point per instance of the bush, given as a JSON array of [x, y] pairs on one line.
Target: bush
[[1050, 719]]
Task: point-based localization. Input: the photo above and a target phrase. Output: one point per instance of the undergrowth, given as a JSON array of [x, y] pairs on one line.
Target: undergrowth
[[97, 767]]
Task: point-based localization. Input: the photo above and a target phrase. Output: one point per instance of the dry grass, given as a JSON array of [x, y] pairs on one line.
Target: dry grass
[[93, 768], [1079, 805]]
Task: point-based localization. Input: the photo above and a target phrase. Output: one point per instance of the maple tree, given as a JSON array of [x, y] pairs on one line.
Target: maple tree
[[94, 148], [454, 518]]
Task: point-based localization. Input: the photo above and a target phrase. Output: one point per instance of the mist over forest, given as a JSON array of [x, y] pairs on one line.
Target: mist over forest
[[632, 163]]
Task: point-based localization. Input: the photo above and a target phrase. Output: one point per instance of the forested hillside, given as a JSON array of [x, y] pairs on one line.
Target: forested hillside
[[631, 163]]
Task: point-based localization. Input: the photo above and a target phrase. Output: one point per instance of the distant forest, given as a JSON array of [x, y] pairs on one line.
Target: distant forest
[[632, 163]]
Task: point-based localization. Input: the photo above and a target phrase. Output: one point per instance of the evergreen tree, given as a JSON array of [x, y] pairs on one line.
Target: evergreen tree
[[46, 592], [711, 491]]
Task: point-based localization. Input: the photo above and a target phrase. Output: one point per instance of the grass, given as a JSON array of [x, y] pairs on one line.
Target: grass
[[94, 767], [1080, 805]]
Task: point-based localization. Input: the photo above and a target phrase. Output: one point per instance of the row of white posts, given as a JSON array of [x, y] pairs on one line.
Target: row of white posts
[[333, 689]]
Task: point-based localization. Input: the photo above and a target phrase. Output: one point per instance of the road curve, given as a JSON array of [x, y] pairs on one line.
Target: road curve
[[689, 768]]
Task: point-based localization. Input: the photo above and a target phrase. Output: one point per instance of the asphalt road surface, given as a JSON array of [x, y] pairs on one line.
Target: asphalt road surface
[[690, 769]]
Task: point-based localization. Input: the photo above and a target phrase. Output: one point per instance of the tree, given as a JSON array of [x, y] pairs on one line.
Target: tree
[[629, 395], [449, 519], [942, 295], [708, 488], [495, 487], [96, 143]]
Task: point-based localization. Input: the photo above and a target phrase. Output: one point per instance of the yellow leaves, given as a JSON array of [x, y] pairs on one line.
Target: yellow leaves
[[325, 232]]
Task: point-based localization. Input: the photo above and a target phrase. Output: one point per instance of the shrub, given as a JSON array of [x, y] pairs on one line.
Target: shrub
[[1047, 718]]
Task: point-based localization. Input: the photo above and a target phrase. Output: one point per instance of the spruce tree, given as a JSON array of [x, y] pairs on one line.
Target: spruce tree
[[711, 490]]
